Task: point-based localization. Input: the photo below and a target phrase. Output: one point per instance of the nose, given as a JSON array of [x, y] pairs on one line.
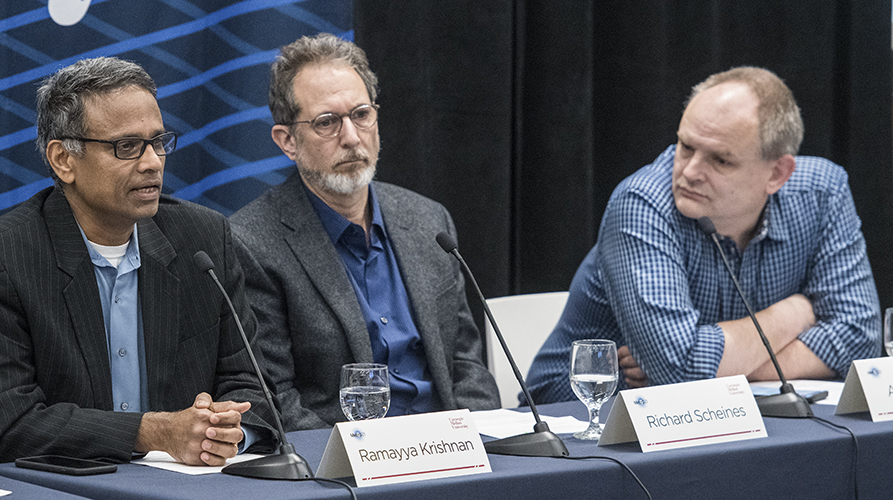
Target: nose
[[350, 134], [150, 160], [693, 168]]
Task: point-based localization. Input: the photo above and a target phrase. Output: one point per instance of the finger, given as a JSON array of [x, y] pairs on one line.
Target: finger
[[229, 435], [623, 351], [226, 419], [212, 459], [635, 373], [627, 362], [224, 406], [218, 449], [636, 383], [203, 400]]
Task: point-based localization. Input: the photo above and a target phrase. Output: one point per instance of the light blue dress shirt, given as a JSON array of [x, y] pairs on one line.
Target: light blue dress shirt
[[119, 295]]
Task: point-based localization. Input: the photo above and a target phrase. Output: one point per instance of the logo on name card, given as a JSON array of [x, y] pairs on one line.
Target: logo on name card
[[734, 389], [640, 401], [358, 434], [875, 372], [458, 423]]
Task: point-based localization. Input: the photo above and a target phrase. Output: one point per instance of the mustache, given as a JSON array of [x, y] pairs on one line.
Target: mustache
[[353, 155]]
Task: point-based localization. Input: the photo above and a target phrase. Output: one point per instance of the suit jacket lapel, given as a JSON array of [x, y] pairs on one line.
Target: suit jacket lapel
[[413, 252], [81, 295], [312, 248], [159, 301]]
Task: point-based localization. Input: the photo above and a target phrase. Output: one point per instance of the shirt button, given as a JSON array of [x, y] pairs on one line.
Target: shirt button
[[122, 352], [116, 299], [384, 320], [396, 370], [124, 406]]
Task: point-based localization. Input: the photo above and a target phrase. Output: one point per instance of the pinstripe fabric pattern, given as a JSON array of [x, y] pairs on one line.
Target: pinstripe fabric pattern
[[310, 322], [55, 385], [654, 282]]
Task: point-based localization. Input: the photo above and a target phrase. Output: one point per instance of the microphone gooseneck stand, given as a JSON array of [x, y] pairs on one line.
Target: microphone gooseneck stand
[[287, 464], [542, 442], [787, 403]]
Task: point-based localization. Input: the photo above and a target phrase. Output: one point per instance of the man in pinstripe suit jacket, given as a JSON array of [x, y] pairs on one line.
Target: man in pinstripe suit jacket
[[344, 271], [112, 342]]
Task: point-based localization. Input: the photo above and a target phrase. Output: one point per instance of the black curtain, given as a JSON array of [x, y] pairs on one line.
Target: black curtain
[[521, 116]]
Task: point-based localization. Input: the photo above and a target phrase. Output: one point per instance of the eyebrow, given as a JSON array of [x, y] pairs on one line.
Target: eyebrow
[[725, 155], [156, 133]]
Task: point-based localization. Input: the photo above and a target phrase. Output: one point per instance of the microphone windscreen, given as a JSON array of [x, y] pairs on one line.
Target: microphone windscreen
[[706, 225], [202, 261], [447, 242]]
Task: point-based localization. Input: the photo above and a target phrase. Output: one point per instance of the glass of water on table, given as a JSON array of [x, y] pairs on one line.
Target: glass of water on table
[[365, 391], [593, 375]]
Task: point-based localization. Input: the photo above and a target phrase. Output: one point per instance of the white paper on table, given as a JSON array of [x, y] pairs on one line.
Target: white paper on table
[[504, 423], [162, 460], [803, 387]]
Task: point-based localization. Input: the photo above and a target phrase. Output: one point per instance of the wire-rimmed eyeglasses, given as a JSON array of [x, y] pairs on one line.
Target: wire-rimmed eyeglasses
[[328, 125], [133, 147]]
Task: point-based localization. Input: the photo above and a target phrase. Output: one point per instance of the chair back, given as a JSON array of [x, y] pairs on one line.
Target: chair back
[[525, 322]]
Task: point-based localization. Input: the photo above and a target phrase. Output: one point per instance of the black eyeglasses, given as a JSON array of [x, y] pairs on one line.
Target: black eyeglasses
[[329, 124], [132, 147]]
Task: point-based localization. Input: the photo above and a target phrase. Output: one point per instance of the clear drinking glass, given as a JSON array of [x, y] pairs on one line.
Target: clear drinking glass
[[365, 391], [888, 331], [593, 376]]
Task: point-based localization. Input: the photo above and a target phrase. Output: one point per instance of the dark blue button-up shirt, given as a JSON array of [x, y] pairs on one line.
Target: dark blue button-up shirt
[[375, 277]]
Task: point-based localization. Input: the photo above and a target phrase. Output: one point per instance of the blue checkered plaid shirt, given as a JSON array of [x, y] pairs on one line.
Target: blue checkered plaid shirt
[[656, 283]]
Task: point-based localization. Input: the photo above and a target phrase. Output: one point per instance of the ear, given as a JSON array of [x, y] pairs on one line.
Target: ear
[[285, 140], [781, 172], [60, 160]]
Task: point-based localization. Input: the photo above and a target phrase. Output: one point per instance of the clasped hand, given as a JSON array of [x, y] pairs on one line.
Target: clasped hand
[[206, 433]]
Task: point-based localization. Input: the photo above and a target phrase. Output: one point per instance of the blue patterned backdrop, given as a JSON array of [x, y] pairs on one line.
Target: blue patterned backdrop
[[209, 58]]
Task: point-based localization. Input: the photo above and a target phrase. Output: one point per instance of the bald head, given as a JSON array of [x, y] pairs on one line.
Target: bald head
[[780, 125]]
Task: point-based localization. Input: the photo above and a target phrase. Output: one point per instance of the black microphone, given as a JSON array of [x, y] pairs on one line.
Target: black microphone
[[543, 442], [787, 403], [287, 464]]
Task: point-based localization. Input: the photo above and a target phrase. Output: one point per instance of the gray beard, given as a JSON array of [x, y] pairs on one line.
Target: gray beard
[[338, 183]]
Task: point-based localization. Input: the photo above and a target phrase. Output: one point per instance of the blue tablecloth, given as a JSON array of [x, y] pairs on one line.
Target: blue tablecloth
[[799, 459], [27, 491]]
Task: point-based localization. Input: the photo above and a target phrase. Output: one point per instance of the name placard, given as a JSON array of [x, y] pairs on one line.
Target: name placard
[[407, 448], [688, 414], [868, 387]]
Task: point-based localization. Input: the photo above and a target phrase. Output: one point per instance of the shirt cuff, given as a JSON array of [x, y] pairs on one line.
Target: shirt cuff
[[249, 439]]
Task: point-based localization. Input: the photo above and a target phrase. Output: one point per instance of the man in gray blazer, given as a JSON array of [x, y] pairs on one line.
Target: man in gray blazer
[[112, 342], [341, 269]]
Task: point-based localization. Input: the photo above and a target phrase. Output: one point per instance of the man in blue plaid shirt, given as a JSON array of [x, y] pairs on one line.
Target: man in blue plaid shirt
[[657, 286]]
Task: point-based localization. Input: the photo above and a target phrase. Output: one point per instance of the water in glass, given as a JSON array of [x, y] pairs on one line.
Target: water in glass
[[593, 378], [365, 391], [365, 402]]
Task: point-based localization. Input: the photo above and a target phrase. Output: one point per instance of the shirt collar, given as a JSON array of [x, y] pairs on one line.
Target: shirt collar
[[335, 224], [771, 224], [131, 258]]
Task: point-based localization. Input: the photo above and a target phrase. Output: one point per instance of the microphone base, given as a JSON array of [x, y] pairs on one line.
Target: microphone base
[[541, 443], [286, 465], [787, 404]]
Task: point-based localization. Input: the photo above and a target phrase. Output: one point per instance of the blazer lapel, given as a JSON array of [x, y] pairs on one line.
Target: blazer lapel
[[159, 291], [311, 246], [81, 295], [413, 251]]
